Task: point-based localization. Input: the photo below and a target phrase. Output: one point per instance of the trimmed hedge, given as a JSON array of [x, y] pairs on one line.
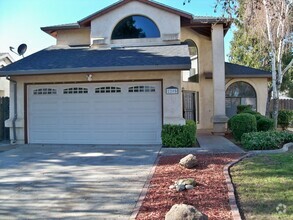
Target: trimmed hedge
[[252, 112], [264, 123], [285, 117], [242, 108], [179, 135], [265, 140], [242, 123], [230, 123]]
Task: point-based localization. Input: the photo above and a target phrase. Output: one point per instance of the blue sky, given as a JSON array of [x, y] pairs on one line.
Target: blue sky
[[20, 20]]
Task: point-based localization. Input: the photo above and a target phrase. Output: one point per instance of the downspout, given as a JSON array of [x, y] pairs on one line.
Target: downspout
[[15, 109]]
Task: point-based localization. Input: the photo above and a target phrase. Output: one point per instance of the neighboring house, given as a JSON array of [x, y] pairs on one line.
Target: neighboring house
[[5, 59], [118, 75]]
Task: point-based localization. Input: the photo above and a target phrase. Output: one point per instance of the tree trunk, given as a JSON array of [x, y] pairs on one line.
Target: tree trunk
[[270, 90]]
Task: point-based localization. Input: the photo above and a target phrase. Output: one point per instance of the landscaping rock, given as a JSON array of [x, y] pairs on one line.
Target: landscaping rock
[[188, 187], [184, 212], [183, 184], [187, 181], [180, 188], [189, 161], [172, 187]]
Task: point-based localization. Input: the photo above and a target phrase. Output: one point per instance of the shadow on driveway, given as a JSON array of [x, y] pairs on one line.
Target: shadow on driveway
[[73, 181]]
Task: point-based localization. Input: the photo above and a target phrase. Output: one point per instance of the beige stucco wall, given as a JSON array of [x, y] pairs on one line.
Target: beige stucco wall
[[204, 87], [74, 37], [172, 104], [103, 26], [260, 86]]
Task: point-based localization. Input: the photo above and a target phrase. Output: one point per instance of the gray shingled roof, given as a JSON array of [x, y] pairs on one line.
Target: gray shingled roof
[[58, 59], [235, 70], [238, 71]]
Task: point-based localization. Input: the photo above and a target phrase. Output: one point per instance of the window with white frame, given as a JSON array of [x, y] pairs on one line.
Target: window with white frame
[[193, 52], [75, 90], [45, 91], [135, 26], [136, 89], [108, 89]]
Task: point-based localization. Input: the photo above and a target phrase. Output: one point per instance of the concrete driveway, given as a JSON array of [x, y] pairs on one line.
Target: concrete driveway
[[73, 182]]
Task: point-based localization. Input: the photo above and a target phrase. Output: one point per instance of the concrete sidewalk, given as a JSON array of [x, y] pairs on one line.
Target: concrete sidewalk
[[5, 146], [209, 144]]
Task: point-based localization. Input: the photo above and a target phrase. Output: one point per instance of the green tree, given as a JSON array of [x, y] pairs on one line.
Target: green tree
[[287, 84], [247, 50]]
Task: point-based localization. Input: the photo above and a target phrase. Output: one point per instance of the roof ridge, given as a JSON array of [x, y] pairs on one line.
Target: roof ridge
[[116, 4]]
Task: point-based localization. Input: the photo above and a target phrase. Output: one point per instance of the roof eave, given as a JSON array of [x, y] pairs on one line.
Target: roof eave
[[52, 29], [85, 21], [95, 70], [249, 76]]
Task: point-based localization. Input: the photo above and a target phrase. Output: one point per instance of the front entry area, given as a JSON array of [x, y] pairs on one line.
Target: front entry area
[[95, 113]]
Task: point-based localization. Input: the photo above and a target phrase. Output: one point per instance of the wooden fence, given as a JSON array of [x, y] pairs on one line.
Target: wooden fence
[[284, 104], [4, 115]]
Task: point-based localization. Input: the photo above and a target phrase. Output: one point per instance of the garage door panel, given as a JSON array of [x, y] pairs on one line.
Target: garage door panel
[[103, 114]]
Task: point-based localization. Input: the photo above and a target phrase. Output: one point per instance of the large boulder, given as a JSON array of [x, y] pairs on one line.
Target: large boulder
[[184, 212], [189, 161]]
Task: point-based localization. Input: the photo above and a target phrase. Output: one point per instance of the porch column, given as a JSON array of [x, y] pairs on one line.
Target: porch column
[[219, 117]]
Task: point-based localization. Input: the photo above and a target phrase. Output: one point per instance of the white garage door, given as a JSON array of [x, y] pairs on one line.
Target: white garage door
[[110, 113]]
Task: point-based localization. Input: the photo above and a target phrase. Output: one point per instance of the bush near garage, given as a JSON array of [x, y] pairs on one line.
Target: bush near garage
[[179, 135], [285, 118], [243, 123], [269, 140]]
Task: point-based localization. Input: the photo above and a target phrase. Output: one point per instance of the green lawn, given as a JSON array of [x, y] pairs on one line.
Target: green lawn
[[262, 183]]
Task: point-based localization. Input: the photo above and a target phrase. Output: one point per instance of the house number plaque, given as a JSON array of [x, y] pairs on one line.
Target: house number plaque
[[172, 90]]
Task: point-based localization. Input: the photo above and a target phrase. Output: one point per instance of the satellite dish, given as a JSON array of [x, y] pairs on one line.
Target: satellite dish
[[21, 49]]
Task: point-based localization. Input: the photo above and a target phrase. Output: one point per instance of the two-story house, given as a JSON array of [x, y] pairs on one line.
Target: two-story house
[[118, 75]]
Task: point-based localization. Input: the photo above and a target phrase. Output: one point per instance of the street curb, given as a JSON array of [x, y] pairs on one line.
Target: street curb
[[144, 189]]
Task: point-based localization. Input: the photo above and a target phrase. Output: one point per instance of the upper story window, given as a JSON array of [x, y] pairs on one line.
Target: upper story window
[[135, 26], [193, 52]]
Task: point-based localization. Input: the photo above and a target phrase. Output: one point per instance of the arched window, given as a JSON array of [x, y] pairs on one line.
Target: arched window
[[193, 52], [239, 93], [135, 26]]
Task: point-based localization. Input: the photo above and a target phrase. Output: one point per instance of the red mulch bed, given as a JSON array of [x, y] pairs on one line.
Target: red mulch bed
[[210, 196]]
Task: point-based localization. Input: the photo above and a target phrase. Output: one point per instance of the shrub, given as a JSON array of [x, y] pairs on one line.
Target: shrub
[[285, 117], [265, 140], [252, 112], [242, 123], [179, 135], [241, 108], [264, 123], [229, 122]]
